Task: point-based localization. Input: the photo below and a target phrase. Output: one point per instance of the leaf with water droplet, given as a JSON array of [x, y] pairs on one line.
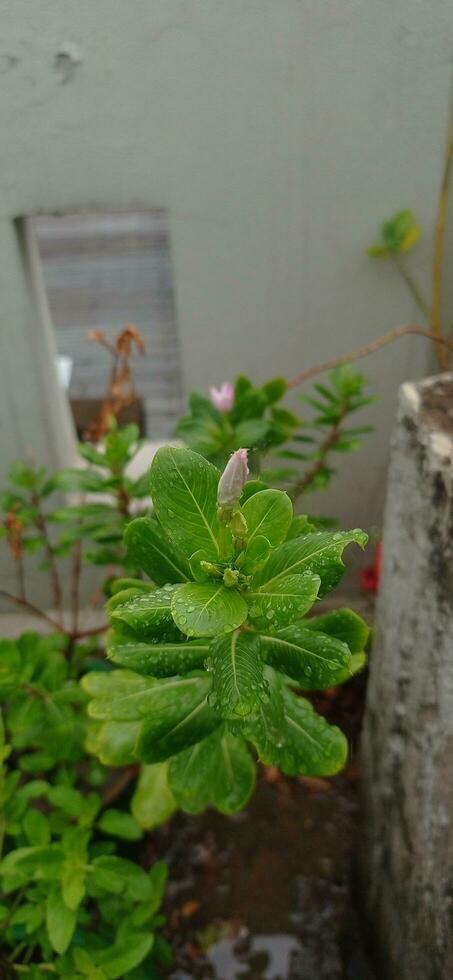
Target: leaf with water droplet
[[284, 600], [202, 609], [238, 683], [314, 660], [319, 552]]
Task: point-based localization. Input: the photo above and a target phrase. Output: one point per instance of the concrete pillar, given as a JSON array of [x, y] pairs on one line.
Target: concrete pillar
[[407, 743]]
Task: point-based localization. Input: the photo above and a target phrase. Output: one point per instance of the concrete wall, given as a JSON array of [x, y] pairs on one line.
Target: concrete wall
[[278, 133], [407, 841]]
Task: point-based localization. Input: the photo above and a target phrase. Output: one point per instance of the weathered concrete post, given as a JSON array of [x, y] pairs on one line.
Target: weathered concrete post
[[407, 743]]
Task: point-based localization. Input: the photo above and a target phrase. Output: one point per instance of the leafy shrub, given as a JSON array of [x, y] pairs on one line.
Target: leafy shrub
[[70, 904], [211, 660], [252, 416]]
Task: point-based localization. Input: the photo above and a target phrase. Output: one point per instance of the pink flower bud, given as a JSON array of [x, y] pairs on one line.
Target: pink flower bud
[[233, 479], [222, 398]]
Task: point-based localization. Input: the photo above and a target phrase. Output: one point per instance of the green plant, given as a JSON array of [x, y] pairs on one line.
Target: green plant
[[88, 530], [249, 416], [70, 904], [210, 661], [399, 235], [252, 416]]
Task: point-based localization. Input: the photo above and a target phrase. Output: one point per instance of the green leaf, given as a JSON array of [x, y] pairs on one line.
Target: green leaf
[[184, 492], [218, 771], [269, 514], [319, 552], [299, 525], [274, 389], [119, 695], [250, 488], [153, 802], [158, 659], [238, 684], [307, 746], [118, 959], [73, 884], [256, 554], [202, 435], [179, 716], [207, 609], [124, 584], [202, 407], [36, 828], [345, 625], [251, 403], [282, 601], [88, 452], [67, 798], [119, 824], [314, 660], [151, 550], [60, 921], [86, 965], [82, 480], [122, 877], [114, 742], [285, 418], [147, 613], [250, 433]]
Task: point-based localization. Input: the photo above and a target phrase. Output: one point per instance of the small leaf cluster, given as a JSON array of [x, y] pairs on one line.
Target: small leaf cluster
[[34, 520], [276, 434], [70, 903], [328, 432], [100, 521], [398, 235], [256, 419], [213, 651]]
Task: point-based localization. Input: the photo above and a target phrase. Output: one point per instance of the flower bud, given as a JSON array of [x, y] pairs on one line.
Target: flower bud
[[231, 577], [233, 478], [222, 398]]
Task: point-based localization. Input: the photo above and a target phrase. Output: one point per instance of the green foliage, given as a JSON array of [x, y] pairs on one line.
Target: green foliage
[[207, 666], [74, 906], [399, 234], [254, 420], [286, 449]]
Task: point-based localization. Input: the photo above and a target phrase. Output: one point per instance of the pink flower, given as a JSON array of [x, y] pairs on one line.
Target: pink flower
[[222, 398], [233, 479]]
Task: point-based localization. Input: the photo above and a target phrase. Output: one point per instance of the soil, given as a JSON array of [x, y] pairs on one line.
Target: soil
[[269, 893]]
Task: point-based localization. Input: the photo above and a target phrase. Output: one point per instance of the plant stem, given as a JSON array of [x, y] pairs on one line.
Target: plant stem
[[371, 348], [412, 285], [20, 574], [41, 525], [436, 301], [118, 787], [326, 446], [33, 610], [95, 631], [75, 585]]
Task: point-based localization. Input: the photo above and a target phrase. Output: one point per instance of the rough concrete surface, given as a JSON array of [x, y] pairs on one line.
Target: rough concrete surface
[[408, 734]]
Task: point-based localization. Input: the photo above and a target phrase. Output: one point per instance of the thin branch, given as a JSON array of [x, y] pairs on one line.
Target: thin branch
[[375, 345], [33, 610], [95, 631], [412, 285], [112, 792], [439, 241], [75, 585], [41, 525], [20, 574], [302, 485]]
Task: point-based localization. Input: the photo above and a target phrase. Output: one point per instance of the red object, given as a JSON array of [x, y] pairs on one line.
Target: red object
[[370, 577]]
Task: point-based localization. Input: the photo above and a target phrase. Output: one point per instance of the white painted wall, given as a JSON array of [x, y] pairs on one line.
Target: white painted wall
[[278, 133]]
